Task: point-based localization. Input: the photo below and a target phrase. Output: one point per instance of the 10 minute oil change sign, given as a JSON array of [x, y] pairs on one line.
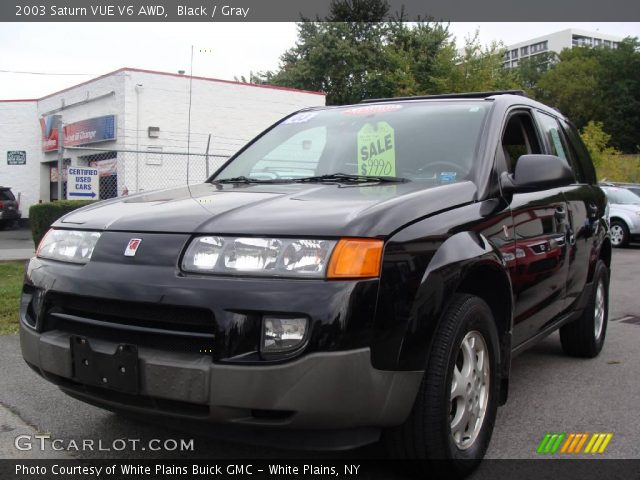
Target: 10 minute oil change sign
[[377, 150], [83, 183]]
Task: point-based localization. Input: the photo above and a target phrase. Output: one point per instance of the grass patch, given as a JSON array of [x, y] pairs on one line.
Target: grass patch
[[11, 275]]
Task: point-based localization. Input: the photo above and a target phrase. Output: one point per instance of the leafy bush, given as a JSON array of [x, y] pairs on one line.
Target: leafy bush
[[620, 168], [42, 215], [597, 142], [610, 164]]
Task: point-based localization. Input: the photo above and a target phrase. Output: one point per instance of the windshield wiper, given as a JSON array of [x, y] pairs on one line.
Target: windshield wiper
[[243, 179], [351, 178]]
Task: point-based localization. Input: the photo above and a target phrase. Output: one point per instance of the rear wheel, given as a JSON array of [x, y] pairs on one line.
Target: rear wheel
[[454, 412], [585, 336], [619, 233]]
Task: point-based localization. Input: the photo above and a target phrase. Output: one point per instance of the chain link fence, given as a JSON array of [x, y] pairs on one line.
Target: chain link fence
[[125, 172]]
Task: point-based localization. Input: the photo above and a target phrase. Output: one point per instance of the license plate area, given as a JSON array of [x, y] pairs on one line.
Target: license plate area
[[116, 371]]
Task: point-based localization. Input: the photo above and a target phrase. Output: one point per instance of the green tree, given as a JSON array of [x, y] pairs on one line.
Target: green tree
[[474, 68], [531, 69], [600, 84], [597, 142], [572, 85], [361, 52], [620, 94]]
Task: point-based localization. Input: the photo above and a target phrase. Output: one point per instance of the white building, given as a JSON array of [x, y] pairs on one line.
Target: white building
[[556, 42], [132, 109]]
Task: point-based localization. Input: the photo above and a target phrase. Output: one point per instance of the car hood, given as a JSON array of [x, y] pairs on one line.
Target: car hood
[[275, 209]]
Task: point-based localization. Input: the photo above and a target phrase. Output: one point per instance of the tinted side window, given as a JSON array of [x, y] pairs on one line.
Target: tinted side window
[[581, 152], [519, 138], [559, 145]]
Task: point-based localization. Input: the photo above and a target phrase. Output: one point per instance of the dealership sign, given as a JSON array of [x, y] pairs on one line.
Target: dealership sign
[[16, 157], [82, 183], [92, 130]]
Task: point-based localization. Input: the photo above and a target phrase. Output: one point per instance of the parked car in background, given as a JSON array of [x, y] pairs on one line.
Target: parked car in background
[[632, 187], [354, 272], [624, 215], [9, 208]]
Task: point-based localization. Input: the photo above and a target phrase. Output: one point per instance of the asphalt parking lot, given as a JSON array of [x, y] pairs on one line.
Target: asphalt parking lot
[[16, 244], [549, 393]]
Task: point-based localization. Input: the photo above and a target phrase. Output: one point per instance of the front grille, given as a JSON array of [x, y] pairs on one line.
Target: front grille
[[168, 327]]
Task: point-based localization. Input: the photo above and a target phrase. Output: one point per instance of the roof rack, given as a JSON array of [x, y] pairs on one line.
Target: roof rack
[[449, 95]]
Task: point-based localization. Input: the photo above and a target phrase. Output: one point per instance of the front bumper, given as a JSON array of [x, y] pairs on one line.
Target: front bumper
[[10, 215], [329, 385], [332, 390]]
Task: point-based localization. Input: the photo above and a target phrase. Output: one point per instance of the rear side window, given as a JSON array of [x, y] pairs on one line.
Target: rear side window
[[6, 195], [580, 151], [558, 143]]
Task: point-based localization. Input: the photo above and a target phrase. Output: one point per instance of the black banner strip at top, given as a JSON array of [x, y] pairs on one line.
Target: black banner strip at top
[[295, 10]]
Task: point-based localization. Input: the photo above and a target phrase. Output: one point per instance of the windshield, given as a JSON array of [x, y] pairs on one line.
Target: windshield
[[433, 142], [621, 196]]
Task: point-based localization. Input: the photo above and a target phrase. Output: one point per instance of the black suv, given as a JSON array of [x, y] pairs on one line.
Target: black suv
[[9, 208], [356, 271]]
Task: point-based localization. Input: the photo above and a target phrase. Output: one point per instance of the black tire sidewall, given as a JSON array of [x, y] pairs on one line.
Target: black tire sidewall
[[601, 274], [478, 318]]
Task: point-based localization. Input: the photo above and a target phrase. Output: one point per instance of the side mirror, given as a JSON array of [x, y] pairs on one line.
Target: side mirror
[[537, 172]]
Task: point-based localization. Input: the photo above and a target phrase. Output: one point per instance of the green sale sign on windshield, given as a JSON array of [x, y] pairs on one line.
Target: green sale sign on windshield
[[377, 150]]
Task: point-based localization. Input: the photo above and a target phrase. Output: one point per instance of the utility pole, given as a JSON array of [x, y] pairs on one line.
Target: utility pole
[[57, 121], [206, 157], [189, 116]]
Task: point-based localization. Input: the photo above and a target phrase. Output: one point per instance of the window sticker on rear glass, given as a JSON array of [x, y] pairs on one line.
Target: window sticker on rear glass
[[377, 150]]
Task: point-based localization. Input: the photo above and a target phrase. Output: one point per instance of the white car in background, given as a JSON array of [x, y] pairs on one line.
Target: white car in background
[[624, 214]]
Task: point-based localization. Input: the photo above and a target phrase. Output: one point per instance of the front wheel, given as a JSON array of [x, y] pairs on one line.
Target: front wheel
[[619, 233], [455, 409]]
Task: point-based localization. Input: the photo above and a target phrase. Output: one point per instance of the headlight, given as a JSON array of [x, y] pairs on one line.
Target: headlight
[[73, 246], [280, 335], [258, 256], [347, 258]]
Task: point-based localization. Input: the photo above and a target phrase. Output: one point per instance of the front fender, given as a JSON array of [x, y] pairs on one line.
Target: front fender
[[419, 279]]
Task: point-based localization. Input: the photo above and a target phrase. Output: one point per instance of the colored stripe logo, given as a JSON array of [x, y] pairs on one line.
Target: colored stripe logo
[[573, 443]]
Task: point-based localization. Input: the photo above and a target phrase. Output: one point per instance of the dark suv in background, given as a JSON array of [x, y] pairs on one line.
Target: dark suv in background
[[9, 208], [352, 272]]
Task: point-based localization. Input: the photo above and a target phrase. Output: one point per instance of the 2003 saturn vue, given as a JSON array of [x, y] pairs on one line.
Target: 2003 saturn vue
[[352, 272]]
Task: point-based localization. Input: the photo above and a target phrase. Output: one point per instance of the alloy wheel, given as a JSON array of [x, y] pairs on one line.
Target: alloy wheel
[[469, 390], [599, 310], [617, 234]]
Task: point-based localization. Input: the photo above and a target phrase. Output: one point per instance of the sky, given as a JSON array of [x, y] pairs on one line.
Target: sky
[[76, 52]]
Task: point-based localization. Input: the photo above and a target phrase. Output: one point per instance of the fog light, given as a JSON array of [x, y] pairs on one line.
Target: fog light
[[281, 335]]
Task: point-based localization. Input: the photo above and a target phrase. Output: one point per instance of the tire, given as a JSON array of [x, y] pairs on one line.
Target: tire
[[619, 233], [585, 336], [427, 433]]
